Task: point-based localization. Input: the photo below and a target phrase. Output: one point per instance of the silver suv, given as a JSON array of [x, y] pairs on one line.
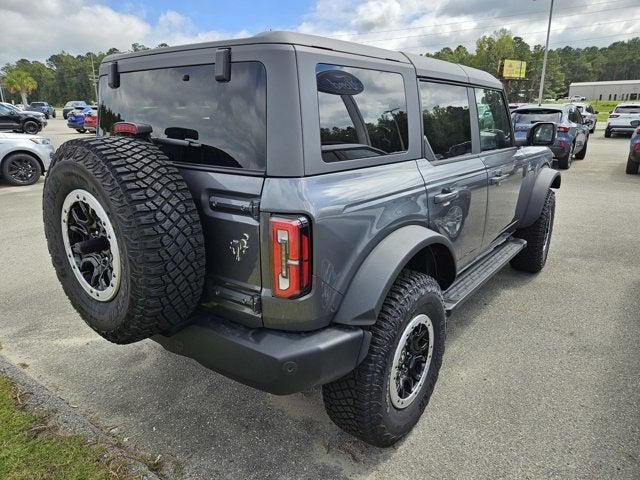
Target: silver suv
[[294, 211]]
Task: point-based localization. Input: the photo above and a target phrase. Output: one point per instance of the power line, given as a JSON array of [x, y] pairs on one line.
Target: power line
[[529, 14], [484, 27]]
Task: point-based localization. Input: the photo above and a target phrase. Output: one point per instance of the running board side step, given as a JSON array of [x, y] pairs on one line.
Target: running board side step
[[474, 277]]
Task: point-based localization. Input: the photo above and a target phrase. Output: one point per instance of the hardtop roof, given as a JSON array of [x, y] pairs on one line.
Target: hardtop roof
[[425, 66]]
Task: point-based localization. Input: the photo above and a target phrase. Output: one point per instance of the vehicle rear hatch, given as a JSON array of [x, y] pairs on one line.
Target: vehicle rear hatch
[[215, 132], [623, 115]]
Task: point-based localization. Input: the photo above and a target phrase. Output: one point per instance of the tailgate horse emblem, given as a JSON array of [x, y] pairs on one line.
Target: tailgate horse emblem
[[239, 247]]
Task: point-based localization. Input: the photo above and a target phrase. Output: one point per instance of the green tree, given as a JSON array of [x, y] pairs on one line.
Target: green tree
[[19, 81]]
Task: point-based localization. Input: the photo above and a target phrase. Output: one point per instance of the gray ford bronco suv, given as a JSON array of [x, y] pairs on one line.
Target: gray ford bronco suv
[[294, 211]]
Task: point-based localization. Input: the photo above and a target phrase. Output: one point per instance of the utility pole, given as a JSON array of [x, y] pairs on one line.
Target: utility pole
[[1, 93], [93, 78], [544, 60]]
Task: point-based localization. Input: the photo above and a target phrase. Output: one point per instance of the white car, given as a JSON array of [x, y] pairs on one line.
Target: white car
[[620, 119], [589, 115], [24, 158]]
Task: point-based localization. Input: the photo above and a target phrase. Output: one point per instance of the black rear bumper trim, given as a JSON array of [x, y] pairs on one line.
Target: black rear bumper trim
[[275, 361]]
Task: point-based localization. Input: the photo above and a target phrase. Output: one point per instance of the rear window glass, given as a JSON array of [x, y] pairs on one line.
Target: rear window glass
[[37, 104], [446, 119], [194, 118], [535, 116], [363, 113], [628, 109]]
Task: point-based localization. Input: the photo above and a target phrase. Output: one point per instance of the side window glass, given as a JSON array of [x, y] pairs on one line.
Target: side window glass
[[446, 119], [493, 117], [363, 113]]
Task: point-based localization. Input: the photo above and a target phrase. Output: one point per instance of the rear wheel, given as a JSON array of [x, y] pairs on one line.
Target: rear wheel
[[124, 237], [564, 162], [533, 257], [81, 130], [582, 153], [632, 166], [607, 133], [53, 114], [21, 169], [383, 398]]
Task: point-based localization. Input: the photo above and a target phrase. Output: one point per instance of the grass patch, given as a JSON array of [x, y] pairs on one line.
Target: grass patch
[[31, 450]]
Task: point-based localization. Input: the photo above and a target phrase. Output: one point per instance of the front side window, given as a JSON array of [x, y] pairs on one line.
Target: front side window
[[446, 119], [493, 117], [194, 118], [363, 113]]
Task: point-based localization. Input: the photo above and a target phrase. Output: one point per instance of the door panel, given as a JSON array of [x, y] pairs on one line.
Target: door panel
[[505, 170], [457, 197]]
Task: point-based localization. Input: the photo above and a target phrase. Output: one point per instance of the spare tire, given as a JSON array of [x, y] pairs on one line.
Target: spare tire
[[124, 236]]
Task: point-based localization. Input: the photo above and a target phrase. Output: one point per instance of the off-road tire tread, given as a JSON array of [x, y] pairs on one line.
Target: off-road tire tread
[[353, 401], [161, 228], [531, 258]]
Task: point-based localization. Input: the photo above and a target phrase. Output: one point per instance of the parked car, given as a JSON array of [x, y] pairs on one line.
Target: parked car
[[69, 106], [20, 121], [42, 107], [19, 106], [589, 115], [513, 106], [576, 98], [572, 136], [83, 119], [633, 162], [23, 158], [223, 234], [620, 119]]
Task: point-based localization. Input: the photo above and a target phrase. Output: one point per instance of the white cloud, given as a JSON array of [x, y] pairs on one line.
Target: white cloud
[[36, 29]]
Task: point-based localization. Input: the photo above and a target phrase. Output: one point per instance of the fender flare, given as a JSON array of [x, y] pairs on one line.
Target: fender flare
[[369, 287], [547, 178]]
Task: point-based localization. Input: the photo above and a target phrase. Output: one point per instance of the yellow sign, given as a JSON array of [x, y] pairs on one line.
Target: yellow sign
[[514, 69]]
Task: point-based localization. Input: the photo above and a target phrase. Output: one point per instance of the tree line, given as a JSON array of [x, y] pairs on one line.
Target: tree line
[[63, 77], [59, 79], [618, 61]]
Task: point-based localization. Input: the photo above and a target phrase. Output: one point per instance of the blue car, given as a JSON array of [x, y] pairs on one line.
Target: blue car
[[572, 133], [633, 162], [76, 118]]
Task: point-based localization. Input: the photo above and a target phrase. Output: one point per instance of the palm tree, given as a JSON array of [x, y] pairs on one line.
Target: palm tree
[[19, 81]]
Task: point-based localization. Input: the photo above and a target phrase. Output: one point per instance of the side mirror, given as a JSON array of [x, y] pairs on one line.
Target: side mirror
[[542, 134]]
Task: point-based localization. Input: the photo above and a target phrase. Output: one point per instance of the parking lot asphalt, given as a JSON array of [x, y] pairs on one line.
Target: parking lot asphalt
[[540, 378]]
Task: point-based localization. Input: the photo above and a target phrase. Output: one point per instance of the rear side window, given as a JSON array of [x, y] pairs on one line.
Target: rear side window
[[363, 113], [446, 119], [493, 118], [194, 118]]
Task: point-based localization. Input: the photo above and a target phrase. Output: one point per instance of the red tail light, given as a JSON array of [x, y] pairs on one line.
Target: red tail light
[[614, 115], [125, 127], [636, 147], [563, 128], [290, 256]]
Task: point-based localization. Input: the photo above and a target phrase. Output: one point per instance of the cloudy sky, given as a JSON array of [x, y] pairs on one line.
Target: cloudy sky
[[36, 29]]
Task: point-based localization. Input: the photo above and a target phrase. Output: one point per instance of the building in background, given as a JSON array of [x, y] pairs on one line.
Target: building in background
[[620, 90]]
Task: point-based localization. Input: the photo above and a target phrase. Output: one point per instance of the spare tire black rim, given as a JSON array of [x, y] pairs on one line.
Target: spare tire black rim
[[411, 361], [90, 245]]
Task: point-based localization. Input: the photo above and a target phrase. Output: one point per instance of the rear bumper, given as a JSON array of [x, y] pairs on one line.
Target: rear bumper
[[271, 360], [621, 128]]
